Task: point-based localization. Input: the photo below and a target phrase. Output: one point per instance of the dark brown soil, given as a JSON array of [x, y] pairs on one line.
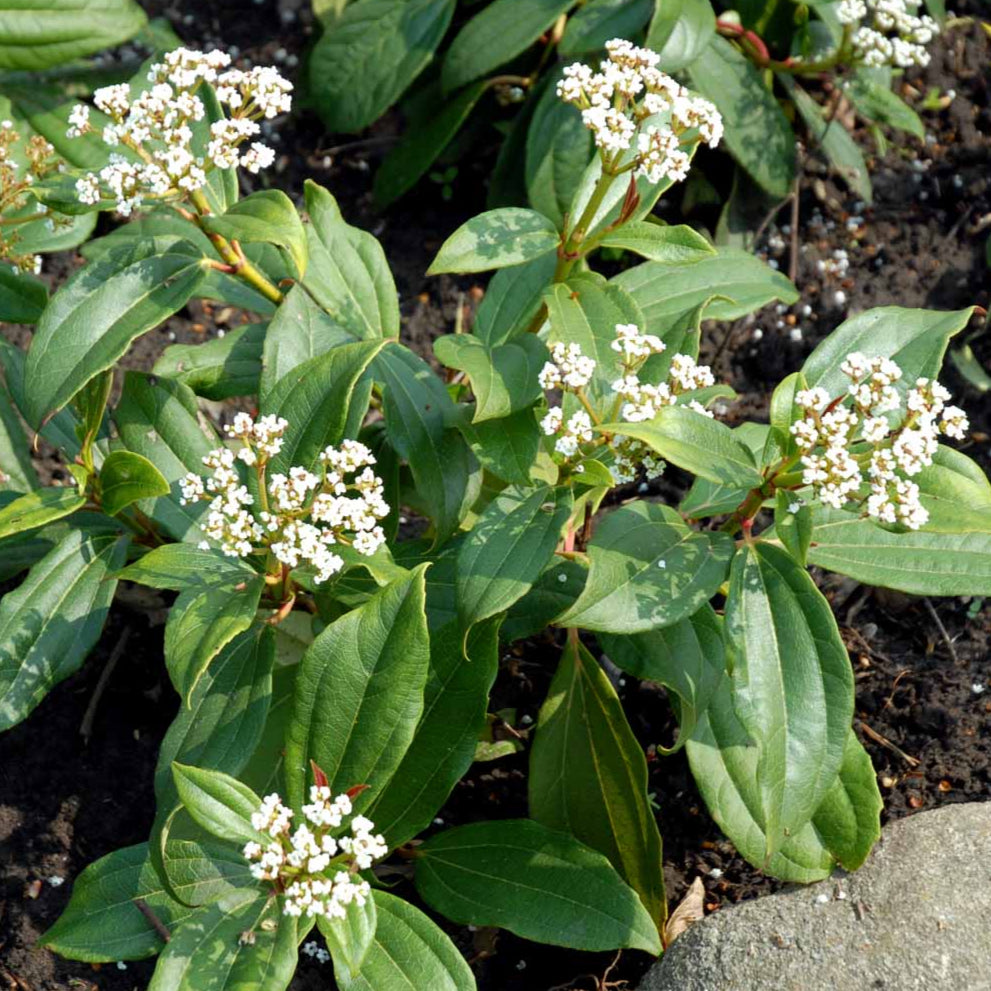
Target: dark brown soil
[[922, 667]]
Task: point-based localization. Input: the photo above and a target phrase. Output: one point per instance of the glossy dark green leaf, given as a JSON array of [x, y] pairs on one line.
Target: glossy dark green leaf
[[266, 216], [588, 775], [455, 700], [916, 339], [506, 447], [598, 21], [369, 55], [158, 419], [734, 281], [408, 953], [508, 548], [127, 478], [793, 525], [316, 399], [878, 103], [350, 938], [22, 296], [647, 569], [348, 274], [920, 562], [35, 509], [842, 829], [679, 245], [495, 239], [418, 417], [680, 31], [219, 368], [553, 592], [17, 472], [955, 492], [687, 657], [792, 685], [503, 378], [512, 300], [38, 34], [49, 624], [222, 805], [757, 133], [206, 952], [422, 144], [93, 318], [496, 34], [536, 882], [366, 669], [701, 445]]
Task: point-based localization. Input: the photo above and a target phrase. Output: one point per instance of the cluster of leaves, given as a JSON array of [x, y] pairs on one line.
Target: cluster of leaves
[[381, 676], [372, 52]]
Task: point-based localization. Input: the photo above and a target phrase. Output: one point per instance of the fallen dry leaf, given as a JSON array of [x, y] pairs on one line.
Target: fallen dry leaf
[[690, 909]]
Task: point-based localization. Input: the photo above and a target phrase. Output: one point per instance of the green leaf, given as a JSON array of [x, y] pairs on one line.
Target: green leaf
[[182, 566], [202, 621], [678, 245], [222, 805], [219, 368], [455, 700], [758, 134], [49, 624], [536, 882], [366, 669], [265, 216], [687, 658], [956, 493], [701, 445], [495, 239], [299, 331], [842, 830], [348, 275], [158, 419], [680, 31], [423, 143], [597, 21], [556, 590], [350, 938], [584, 311], [22, 296], [835, 141], [264, 769], [408, 953], [512, 300], [206, 952], [36, 34], [316, 398], [92, 320], [920, 562], [495, 35], [418, 411], [503, 378], [101, 923], [367, 57], [507, 549], [877, 103], [647, 569], [506, 447], [792, 685], [126, 478], [28, 512], [225, 718], [915, 339], [793, 526], [666, 292], [588, 776], [558, 149], [17, 472]]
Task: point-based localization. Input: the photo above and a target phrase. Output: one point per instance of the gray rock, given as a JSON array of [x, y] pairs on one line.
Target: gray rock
[[915, 917]]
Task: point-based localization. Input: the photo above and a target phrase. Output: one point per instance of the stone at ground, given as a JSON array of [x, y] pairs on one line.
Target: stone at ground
[[915, 917]]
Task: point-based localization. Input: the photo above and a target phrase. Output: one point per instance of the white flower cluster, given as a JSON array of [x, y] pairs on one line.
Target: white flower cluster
[[896, 36], [636, 401], [617, 102], [837, 475], [156, 125], [305, 515], [313, 868]]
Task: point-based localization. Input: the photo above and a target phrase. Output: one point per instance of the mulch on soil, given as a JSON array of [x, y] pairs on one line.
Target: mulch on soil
[[923, 677]]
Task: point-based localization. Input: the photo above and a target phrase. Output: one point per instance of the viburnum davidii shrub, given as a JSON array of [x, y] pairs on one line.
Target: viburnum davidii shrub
[[334, 678]]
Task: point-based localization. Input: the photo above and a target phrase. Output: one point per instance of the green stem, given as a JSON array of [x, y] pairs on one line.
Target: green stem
[[243, 267]]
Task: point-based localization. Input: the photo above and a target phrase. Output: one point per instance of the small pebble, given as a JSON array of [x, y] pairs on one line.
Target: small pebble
[[56, 880], [978, 687], [526, 720]]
